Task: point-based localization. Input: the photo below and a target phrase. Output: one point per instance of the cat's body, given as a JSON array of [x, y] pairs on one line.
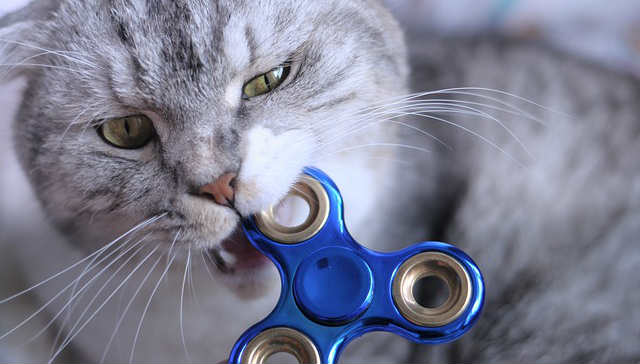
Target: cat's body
[[550, 220], [557, 238]]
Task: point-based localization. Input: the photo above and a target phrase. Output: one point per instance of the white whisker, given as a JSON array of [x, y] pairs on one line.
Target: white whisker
[[74, 297], [50, 51], [43, 307], [67, 342], [192, 287], [16, 65], [126, 309], [146, 307], [99, 251], [184, 280], [395, 145], [206, 265], [104, 285], [76, 294]]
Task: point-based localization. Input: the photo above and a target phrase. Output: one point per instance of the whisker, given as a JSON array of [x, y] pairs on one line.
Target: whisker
[[73, 298], [512, 110], [146, 307], [173, 244], [404, 146], [50, 51], [17, 65], [206, 265], [525, 100], [104, 285], [481, 114], [184, 280], [99, 251], [465, 129], [67, 342], [193, 289], [60, 293], [126, 309]]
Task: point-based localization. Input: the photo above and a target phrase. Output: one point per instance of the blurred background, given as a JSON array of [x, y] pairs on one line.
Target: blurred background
[[606, 31]]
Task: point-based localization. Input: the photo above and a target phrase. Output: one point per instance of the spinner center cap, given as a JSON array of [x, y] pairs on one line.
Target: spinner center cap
[[333, 286]]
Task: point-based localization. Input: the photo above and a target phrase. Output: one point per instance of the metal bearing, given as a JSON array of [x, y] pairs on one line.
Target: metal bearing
[[280, 340], [432, 264], [317, 199]]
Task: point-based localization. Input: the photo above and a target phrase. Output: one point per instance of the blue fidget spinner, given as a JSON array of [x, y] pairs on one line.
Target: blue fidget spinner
[[335, 290]]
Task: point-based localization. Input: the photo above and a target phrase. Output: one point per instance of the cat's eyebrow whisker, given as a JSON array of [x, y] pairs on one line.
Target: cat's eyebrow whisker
[[97, 252], [127, 307], [59, 53], [74, 297], [78, 117], [184, 280], [16, 65], [24, 61], [153, 292], [107, 300]]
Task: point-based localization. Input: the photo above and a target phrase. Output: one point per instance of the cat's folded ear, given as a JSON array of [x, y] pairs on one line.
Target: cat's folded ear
[[23, 37]]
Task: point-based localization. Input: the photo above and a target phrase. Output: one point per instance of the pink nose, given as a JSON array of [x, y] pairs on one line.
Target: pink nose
[[222, 190]]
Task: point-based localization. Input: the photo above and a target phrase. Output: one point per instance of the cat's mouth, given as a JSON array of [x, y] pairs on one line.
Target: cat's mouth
[[236, 254]]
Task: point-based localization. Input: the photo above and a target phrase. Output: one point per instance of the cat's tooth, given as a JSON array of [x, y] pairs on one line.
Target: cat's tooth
[[228, 258]]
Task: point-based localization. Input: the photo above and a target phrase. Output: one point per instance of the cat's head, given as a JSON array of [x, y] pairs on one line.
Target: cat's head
[[133, 106]]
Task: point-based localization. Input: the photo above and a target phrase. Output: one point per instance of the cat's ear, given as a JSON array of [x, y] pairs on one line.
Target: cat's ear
[[23, 36]]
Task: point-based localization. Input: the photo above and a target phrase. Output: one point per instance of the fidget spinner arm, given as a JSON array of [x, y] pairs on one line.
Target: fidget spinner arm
[[335, 290]]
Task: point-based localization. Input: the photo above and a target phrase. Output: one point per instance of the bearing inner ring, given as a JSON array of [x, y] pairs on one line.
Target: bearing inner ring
[[280, 340], [432, 264], [312, 192]]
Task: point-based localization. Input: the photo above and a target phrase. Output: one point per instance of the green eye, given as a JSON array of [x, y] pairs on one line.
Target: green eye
[[266, 82], [131, 132]]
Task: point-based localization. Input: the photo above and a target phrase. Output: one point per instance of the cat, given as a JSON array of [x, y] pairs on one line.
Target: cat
[[147, 129]]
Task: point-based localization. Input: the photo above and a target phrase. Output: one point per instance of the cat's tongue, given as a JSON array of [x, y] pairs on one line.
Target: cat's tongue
[[246, 255]]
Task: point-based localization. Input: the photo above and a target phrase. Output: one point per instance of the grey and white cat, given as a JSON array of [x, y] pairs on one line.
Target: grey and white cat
[[153, 126]]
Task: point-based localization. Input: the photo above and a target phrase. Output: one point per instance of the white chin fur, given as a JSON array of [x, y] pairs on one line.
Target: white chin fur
[[271, 165]]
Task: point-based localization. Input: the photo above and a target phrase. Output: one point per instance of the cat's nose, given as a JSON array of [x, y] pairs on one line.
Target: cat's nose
[[222, 190]]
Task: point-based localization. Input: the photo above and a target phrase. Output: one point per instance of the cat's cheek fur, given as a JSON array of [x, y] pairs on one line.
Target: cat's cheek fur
[[272, 164]]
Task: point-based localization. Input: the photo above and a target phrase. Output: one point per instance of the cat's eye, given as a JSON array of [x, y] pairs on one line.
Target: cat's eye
[[131, 132], [266, 82]]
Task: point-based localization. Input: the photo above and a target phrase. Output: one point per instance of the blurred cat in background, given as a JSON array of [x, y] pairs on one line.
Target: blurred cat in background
[[147, 129]]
